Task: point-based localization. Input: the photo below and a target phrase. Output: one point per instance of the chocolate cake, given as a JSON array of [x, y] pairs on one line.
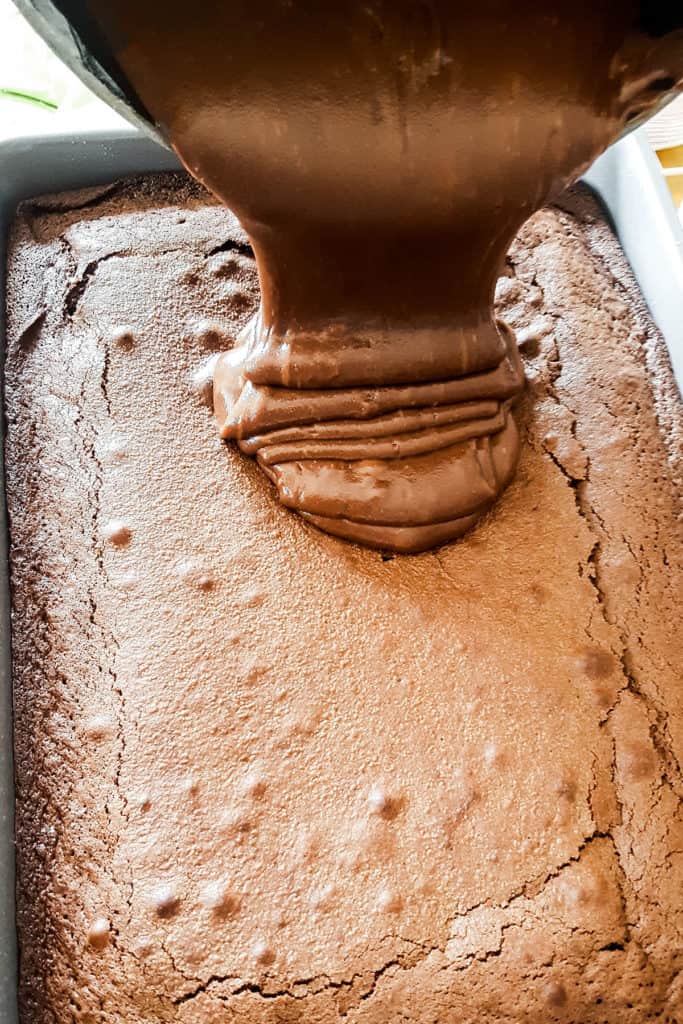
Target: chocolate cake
[[264, 775]]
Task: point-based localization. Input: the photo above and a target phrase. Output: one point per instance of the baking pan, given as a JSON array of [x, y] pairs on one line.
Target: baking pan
[[31, 167], [627, 180]]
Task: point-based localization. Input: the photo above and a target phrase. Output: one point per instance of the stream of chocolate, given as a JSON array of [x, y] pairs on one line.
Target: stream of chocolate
[[381, 155]]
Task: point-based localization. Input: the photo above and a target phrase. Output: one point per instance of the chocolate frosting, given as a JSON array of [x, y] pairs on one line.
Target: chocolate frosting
[[382, 156]]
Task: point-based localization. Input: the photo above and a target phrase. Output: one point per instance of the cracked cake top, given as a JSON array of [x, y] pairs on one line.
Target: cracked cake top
[[263, 775]]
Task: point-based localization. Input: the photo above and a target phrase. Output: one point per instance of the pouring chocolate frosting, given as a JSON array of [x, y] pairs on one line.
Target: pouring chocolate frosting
[[381, 155]]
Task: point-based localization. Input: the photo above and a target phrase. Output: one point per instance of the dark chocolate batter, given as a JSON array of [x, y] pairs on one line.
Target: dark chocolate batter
[[381, 155]]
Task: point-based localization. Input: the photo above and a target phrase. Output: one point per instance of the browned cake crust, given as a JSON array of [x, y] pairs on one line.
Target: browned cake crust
[[267, 776]]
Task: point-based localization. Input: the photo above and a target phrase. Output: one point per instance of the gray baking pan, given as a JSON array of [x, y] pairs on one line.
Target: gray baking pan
[[32, 167], [627, 179]]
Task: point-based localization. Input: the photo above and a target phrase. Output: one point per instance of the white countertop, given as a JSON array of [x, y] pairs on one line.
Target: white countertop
[[28, 66]]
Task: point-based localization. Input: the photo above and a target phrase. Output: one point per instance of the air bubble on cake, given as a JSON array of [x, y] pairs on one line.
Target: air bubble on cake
[[529, 338], [123, 337], [117, 532], [193, 572], [217, 897], [252, 671], [99, 933], [211, 335], [100, 727], [383, 804], [388, 901], [235, 821], [636, 760], [263, 953], [566, 788], [596, 663], [128, 580], [321, 899], [232, 267], [114, 449], [205, 582], [238, 300], [251, 597], [494, 755], [306, 847], [577, 893], [202, 380], [299, 724], [143, 948], [165, 901], [555, 994], [189, 786], [254, 785]]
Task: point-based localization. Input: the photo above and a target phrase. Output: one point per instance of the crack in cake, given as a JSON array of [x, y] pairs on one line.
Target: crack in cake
[[264, 775]]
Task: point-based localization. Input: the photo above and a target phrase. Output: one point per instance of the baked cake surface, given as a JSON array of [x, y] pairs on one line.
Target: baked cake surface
[[267, 776]]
